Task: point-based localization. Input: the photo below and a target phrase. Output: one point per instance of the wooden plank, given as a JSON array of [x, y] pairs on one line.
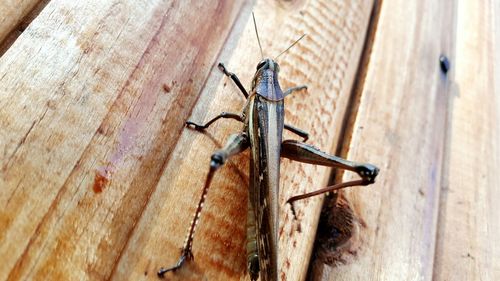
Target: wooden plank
[[400, 126], [326, 60], [469, 223], [88, 122]]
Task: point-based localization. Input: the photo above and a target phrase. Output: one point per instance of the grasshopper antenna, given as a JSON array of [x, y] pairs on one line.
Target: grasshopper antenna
[[293, 44], [258, 39]]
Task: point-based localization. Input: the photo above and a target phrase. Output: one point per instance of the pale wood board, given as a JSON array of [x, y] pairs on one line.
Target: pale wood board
[[83, 103], [95, 95], [400, 126], [469, 224]]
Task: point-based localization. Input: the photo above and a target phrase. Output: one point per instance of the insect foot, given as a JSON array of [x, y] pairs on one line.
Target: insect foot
[[367, 172], [185, 255], [293, 209], [195, 126], [217, 160]]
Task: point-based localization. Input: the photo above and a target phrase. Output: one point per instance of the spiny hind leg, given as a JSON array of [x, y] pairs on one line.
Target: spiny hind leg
[[235, 144]]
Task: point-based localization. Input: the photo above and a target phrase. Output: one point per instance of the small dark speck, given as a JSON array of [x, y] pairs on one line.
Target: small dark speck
[[100, 130], [51, 104], [145, 273], [301, 13], [469, 256], [421, 192], [225, 84], [166, 88], [444, 64], [190, 80]]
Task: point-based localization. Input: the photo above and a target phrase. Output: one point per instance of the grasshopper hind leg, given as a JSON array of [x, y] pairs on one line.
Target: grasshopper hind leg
[[302, 152], [253, 266], [185, 255], [235, 144]]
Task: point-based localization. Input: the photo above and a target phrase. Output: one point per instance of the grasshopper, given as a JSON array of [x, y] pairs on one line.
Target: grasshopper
[[263, 125]]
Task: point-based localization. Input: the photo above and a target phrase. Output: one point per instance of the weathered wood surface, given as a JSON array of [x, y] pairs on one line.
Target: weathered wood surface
[[87, 126], [469, 222], [99, 177], [430, 132]]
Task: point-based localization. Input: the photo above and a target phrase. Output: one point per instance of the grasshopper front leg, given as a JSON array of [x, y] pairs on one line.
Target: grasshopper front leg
[[233, 77], [294, 89], [306, 153], [235, 144]]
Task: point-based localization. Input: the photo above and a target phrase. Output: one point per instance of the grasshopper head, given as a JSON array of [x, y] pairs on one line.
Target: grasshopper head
[[265, 82], [268, 64]]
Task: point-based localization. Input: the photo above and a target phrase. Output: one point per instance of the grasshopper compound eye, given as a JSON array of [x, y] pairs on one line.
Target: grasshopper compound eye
[[261, 64]]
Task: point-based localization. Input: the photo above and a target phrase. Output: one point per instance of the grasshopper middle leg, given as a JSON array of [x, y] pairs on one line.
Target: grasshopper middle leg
[[238, 117], [225, 115], [297, 131], [236, 144], [306, 153]]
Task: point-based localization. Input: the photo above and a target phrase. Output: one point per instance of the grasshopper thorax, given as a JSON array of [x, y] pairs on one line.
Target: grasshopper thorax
[[265, 81]]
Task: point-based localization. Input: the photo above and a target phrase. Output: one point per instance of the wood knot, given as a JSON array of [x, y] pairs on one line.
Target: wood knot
[[337, 232]]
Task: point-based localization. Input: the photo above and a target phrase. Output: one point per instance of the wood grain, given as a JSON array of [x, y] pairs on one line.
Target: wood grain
[[87, 126], [91, 117], [99, 177], [400, 126], [469, 222]]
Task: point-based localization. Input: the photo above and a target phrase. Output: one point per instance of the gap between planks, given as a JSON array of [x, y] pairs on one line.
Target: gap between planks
[[14, 26]]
